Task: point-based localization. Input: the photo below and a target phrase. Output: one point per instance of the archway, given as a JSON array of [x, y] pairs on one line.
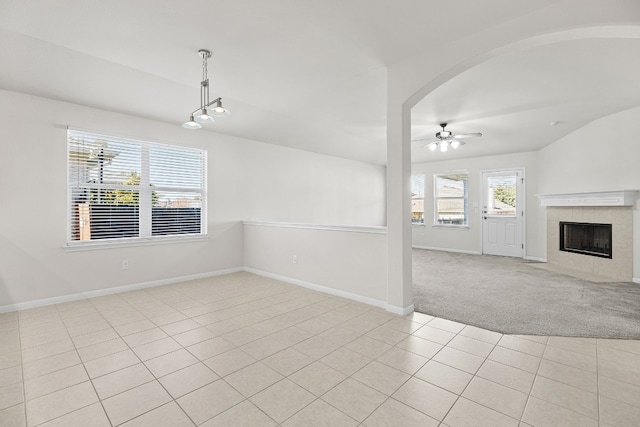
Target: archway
[[402, 97]]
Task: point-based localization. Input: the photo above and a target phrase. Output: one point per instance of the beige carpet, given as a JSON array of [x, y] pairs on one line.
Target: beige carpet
[[512, 296]]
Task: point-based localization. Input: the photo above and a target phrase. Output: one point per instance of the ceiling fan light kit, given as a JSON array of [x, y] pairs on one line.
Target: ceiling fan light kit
[[201, 114], [445, 139]]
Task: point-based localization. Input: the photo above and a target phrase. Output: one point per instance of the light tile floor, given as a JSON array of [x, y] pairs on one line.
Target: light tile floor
[[242, 350]]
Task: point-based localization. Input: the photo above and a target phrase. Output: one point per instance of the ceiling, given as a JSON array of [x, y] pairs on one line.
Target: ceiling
[[514, 99], [312, 75]]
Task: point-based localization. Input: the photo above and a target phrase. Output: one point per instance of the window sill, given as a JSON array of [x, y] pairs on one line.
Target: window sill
[[92, 246], [452, 227]]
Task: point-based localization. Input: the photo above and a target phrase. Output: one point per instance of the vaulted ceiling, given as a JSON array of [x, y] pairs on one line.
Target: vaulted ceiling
[[527, 100], [313, 74]]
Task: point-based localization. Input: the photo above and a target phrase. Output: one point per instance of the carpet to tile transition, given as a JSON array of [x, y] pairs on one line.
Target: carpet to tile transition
[[511, 296]]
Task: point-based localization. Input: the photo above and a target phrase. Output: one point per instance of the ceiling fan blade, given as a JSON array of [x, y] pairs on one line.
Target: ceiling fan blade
[[426, 140], [467, 135]]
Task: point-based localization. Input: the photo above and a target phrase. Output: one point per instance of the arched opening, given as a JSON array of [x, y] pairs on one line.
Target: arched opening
[[522, 97]]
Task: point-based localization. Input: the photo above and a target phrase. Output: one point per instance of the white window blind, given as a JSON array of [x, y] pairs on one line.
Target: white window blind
[[450, 201], [121, 188]]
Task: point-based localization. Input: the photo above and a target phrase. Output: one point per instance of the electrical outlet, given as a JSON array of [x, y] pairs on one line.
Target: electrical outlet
[[295, 259], [125, 264]]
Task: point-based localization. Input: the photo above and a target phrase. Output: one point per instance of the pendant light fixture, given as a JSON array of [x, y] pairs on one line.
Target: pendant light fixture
[[202, 114]]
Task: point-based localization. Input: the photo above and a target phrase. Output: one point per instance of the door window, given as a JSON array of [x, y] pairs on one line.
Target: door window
[[501, 195]]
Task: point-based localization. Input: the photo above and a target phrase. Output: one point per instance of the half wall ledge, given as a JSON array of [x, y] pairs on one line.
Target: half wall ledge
[[350, 228]]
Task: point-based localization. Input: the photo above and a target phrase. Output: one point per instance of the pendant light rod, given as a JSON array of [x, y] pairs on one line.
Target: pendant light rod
[[206, 105]]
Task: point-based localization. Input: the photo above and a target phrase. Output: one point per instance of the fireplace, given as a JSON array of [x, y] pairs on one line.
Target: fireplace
[[586, 238], [593, 209]]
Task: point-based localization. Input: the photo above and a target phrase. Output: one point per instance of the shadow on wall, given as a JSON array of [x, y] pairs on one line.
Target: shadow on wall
[[20, 271], [31, 273]]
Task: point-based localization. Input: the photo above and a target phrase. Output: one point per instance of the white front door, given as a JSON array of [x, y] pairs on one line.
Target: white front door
[[503, 212]]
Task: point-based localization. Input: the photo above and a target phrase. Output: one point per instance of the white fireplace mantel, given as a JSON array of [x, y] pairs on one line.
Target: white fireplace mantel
[[597, 198]]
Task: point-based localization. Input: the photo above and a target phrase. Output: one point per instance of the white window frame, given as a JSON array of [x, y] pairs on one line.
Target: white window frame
[[145, 191], [464, 198]]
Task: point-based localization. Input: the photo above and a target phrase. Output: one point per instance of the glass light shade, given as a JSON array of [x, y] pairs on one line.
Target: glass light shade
[[433, 146], [191, 124], [444, 146], [458, 143], [204, 117], [455, 143], [220, 111]]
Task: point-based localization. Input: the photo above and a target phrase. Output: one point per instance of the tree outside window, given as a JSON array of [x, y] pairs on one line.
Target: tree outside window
[[123, 188]]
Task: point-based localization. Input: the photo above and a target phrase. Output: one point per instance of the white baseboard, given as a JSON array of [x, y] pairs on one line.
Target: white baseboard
[[459, 251], [320, 288], [402, 311], [135, 286], [116, 290], [533, 258]]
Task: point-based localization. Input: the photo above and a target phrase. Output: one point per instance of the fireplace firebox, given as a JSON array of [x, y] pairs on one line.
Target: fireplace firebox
[[586, 238]]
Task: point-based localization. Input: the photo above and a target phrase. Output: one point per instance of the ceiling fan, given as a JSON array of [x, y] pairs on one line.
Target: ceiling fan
[[445, 139]]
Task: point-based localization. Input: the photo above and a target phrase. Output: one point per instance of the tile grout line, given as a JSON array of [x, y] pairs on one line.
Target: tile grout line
[[24, 391], [569, 385], [315, 360], [87, 372], [320, 361], [316, 398], [316, 316], [598, 382], [89, 377], [145, 366], [535, 377], [387, 398], [459, 396], [83, 367], [380, 325], [220, 378]]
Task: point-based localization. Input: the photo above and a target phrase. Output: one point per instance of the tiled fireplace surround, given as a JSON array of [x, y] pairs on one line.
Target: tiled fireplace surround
[[583, 208], [620, 266]]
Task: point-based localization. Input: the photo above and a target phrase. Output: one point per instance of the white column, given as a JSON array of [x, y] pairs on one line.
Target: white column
[[399, 274]]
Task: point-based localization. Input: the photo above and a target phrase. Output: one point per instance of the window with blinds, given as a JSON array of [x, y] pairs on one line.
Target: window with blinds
[[450, 198], [417, 199], [124, 189]]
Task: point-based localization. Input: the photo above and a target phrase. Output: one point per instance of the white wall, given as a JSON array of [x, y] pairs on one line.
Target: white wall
[[470, 240], [286, 185], [246, 180], [603, 155], [346, 263]]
